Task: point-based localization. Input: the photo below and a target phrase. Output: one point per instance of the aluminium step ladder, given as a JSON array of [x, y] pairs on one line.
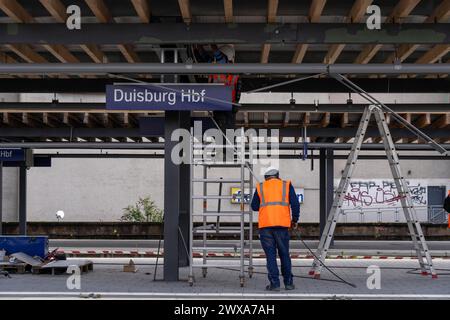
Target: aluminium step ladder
[[209, 219], [415, 230]]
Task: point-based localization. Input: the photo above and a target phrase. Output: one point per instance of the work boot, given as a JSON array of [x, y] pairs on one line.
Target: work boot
[[272, 288], [289, 287]]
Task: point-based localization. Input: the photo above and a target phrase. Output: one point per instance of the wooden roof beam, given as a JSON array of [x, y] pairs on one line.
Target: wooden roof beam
[[142, 8], [356, 14], [344, 120], [367, 53], [434, 54], [31, 120], [266, 119], [402, 52], [15, 11], [56, 9], [272, 8], [94, 52], [423, 121], [246, 119], [4, 58], [228, 8], [129, 53], [12, 120], [129, 120], [441, 122], [300, 52], [441, 13], [315, 11], [185, 8], [51, 120], [286, 119], [306, 119], [265, 53], [71, 119], [103, 15], [401, 10], [26, 53], [100, 10], [61, 53], [325, 121]]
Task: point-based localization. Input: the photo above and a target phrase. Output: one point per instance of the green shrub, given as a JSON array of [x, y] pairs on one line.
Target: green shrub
[[145, 210]]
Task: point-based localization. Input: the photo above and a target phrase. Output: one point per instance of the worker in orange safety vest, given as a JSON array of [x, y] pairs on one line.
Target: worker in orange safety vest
[[274, 199], [447, 206]]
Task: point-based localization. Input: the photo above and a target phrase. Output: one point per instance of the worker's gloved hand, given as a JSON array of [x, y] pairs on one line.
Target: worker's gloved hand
[[294, 225]]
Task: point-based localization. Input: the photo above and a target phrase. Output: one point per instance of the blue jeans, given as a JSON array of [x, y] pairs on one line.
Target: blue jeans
[[275, 239]]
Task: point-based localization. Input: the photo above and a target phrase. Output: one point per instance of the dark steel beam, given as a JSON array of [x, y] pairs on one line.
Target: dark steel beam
[[282, 156], [341, 108], [172, 201], [160, 146], [326, 185], [211, 68], [1, 197], [201, 33], [135, 132], [253, 107], [392, 85]]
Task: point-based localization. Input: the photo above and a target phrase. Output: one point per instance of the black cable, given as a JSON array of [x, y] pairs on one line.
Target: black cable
[[157, 255], [323, 264], [265, 273]]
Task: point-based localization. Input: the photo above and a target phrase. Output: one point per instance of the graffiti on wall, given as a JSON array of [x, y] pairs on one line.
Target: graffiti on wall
[[382, 193]]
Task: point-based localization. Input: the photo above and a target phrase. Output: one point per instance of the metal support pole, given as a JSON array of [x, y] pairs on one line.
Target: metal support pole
[[326, 185], [176, 189], [171, 201], [184, 186], [23, 200], [1, 197]]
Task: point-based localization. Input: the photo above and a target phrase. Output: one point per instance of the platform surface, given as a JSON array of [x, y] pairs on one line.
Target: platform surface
[[109, 281]]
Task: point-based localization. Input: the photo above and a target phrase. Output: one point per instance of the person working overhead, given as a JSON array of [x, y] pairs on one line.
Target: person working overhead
[[221, 55], [274, 199]]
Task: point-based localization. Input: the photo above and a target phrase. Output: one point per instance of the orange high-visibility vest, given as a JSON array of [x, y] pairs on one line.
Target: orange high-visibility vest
[[228, 80], [274, 208]]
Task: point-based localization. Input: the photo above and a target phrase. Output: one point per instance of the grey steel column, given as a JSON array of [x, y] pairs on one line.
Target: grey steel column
[[326, 185], [23, 200], [171, 200], [184, 194], [1, 197]]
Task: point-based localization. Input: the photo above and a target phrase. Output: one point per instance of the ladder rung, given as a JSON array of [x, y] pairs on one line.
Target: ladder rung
[[220, 165], [216, 265], [223, 214], [216, 248], [219, 231], [210, 180], [227, 146], [213, 197]]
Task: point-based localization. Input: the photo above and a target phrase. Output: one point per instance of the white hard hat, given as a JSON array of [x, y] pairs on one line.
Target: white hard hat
[[271, 171], [60, 214], [228, 50]]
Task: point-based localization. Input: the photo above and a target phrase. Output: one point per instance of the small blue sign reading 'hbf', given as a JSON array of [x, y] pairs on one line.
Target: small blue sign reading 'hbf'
[[163, 96], [12, 155]]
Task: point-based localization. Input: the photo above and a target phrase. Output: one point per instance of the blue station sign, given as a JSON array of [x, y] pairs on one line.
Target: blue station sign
[[163, 96], [7, 155]]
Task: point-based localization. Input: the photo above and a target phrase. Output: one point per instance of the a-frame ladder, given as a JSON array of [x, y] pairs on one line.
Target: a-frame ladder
[[415, 230]]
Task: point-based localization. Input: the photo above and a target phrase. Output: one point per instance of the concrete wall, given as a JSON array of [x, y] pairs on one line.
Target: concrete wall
[[98, 189]]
